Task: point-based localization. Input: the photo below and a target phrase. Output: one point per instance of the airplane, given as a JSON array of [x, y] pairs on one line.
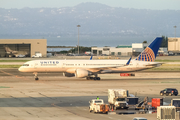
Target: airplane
[[15, 53], [88, 68]]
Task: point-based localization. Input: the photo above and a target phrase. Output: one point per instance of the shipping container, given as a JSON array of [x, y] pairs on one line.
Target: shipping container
[[132, 100], [166, 113], [157, 102]]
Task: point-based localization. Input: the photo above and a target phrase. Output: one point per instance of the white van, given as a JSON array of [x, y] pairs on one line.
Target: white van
[[37, 55]]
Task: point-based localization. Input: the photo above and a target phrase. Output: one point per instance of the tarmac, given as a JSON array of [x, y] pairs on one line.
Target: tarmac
[[55, 97]]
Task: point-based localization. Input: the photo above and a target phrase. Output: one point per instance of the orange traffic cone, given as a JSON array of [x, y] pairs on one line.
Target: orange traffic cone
[[112, 109]]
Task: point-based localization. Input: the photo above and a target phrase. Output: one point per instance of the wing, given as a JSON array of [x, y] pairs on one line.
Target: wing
[[109, 67]]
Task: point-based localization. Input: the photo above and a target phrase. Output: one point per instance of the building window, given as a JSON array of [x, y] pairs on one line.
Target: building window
[[100, 52], [112, 53], [95, 52], [119, 53]]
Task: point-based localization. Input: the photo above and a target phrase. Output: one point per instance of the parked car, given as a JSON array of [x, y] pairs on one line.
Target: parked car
[[20, 56], [139, 118], [169, 91]]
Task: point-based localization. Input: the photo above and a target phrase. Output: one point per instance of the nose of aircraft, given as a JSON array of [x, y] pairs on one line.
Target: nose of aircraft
[[20, 69]]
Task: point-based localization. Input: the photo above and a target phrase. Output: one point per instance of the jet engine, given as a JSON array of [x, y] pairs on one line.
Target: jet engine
[[68, 74], [80, 73]]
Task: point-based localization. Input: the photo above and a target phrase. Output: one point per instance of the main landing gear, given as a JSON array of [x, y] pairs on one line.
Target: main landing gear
[[36, 76], [93, 78]]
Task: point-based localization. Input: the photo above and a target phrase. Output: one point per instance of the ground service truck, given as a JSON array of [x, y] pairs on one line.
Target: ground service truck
[[98, 106], [117, 98]]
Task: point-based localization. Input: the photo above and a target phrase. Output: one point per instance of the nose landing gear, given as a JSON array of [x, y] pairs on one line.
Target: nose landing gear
[[36, 76]]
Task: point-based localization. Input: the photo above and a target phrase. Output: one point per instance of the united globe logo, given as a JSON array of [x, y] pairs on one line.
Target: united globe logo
[[146, 55]]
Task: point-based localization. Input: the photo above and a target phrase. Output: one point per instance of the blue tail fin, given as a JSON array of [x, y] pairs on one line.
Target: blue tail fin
[[149, 54]]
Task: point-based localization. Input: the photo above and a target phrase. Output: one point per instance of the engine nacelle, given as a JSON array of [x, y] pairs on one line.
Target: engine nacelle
[[68, 74], [80, 73]]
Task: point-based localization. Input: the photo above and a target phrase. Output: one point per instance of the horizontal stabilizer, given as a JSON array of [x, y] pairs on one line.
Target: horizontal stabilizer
[[129, 61]]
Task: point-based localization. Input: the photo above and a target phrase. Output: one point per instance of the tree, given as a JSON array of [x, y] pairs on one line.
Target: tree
[[164, 42], [81, 49], [145, 41]]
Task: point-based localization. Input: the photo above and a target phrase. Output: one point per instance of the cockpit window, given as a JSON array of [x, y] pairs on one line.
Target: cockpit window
[[25, 64]]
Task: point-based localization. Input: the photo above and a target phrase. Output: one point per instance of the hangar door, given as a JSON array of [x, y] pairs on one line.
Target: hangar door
[[15, 50]]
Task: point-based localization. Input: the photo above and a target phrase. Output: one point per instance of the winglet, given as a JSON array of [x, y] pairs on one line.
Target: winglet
[[91, 57], [129, 61]]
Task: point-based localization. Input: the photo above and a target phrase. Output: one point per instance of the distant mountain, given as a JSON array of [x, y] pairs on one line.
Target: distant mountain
[[95, 19]]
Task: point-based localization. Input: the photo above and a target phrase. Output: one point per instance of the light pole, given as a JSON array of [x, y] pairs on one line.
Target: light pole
[[175, 31], [78, 38]]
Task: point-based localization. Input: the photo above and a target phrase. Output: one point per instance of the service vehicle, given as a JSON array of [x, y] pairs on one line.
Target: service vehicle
[[98, 106], [20, 56], [117, 98], [169, 91], [37, 55], [143, 105], [139, 118], [176, 103], [166, 113]]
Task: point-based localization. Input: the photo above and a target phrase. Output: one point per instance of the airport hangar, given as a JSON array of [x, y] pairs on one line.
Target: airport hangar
[[174, 45], [31, 46]]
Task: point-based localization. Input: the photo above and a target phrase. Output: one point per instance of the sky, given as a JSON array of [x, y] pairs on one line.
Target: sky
[[138, 4]]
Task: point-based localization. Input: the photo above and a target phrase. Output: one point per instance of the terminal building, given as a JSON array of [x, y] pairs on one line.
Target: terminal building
[[27, 47], [134, 50]]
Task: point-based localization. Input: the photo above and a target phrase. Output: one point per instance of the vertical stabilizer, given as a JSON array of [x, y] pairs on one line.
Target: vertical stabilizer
[[150, 53], [7, 48]]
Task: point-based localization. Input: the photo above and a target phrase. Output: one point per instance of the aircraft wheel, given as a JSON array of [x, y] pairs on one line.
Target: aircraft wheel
[[36, 78], [90, 110], [98, 78], [95, 78]]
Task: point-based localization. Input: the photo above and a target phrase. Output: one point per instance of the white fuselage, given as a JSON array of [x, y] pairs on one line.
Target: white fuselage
[[98, 66]]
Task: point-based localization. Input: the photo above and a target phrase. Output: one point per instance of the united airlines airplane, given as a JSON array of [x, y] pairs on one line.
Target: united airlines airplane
[[90, 69]]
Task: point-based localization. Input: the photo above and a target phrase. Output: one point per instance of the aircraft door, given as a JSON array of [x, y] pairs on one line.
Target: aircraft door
[[35, 65], [64, 64]]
